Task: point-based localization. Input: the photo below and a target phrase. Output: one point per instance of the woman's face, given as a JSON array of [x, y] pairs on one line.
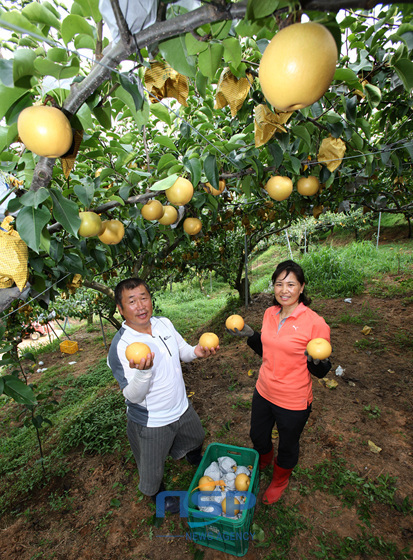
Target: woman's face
[[287, 289]]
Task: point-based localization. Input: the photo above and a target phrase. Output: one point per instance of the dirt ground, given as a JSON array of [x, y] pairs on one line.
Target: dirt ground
[[371, 402]]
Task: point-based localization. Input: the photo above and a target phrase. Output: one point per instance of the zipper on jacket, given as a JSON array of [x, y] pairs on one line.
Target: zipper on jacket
[[160, 338]]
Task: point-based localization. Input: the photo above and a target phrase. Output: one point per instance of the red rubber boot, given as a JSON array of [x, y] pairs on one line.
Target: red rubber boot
[[278, 484], [265, 459]]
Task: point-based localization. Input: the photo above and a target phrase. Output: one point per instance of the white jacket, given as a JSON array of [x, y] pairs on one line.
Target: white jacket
[[154, 397]]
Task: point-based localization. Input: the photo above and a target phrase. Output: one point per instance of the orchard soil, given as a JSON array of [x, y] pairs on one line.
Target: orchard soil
[[371, 402]]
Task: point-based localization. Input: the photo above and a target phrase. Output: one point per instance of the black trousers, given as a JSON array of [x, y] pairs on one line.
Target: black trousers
[[290, 424]]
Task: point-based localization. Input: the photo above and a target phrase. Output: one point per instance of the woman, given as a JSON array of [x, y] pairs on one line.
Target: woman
[[283, 393]]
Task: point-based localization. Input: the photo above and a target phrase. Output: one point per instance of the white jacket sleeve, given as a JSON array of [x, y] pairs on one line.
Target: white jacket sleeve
[[138, 387]]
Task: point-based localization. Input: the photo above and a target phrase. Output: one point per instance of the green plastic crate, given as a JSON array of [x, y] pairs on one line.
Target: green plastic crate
[[231, 536]]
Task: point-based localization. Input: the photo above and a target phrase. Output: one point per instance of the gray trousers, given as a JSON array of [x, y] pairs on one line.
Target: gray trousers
[[151, 446]]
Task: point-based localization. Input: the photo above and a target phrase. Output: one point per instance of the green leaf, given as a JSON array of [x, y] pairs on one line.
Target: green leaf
[[66, 212], [165, 141], [175, 53], [201, 82], [48, 68], [373, 95], [18, 391], [87, 8], [261, 9], [193, 45], [99, 256], [30, 222], [38, 13], [1, 386], [211, 59], [211, 170], [246, 185], [116, 198], [164, 183], [349, 77], [23, 63], [232, 51], [84, 115], [15, 19], [276, 153], [302, 132], [74, 263], [58, 55], [56, 250], [7, 136], [166, 161], [85, 192], [85, 42], [296, 164], [161, 112], [6, 72], [35, 198], [8, 96], [104, 116], [133, 89], [140, 117], [73, 25], [404, 69], [194, 166], [351, 109]]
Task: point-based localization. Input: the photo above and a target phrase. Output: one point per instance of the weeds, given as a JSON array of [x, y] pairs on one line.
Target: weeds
[[99, 428], [364, 546], [373, 412], [352, 489]]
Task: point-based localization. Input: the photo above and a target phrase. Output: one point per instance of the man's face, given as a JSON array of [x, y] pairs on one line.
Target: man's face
[[136, 308]]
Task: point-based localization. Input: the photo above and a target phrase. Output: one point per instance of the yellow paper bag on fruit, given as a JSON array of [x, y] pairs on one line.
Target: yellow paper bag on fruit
[[267, 123], [74, 284], [14, 255], [331, 152], [162, 81], [231, 91]]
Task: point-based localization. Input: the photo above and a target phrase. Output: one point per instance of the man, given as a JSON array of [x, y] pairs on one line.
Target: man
[[161, 421]]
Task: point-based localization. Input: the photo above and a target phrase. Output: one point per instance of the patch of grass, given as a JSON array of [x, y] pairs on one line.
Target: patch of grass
[[365, 316], [373, 411], [333, 477], [403, 338], [98, 375], [99, 428], [276, 526], [188, 307], [331, 273], [241, 403], [370, 344], [364, 546]]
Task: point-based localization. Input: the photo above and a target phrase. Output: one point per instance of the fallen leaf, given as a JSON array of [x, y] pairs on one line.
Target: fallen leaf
[[331, 383], [250, 373], [373, 447], [191, 394], [366, 330]]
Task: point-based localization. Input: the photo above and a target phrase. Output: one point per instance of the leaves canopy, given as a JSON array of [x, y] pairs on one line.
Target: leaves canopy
[[129, 149]]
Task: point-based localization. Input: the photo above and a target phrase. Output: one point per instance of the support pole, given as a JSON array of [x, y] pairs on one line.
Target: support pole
[[289, 246], [246, 270], [103, 331], [378, 231]]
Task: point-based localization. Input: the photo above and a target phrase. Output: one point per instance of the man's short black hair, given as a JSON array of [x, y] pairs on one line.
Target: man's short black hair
[[129, 284]]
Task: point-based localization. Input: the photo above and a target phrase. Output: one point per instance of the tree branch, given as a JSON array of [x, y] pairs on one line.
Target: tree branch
[[99, 288]]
